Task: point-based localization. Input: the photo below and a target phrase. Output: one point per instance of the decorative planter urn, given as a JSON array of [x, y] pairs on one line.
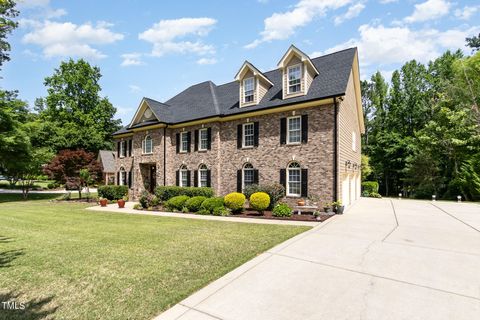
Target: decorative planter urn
[[121, 203], [301, 203], [103, 202]]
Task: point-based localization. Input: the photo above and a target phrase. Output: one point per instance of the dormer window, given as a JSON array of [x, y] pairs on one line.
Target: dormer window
[[248, 87], [294, 78]]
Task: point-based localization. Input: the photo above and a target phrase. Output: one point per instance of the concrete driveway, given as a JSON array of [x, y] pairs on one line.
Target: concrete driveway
[[383, 259]]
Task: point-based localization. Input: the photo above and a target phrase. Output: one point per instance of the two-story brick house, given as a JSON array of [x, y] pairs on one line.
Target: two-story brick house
[[298, 125]]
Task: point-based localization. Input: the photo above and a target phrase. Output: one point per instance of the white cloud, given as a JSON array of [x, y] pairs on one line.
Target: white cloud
[[33, 3], [68, 39], [131, 59], [54, 13], [381, 46], [429, 10], [165, 36], [387, 1], [280, 26], [352, 12], [203, 61], [467, 12], [134, 88]]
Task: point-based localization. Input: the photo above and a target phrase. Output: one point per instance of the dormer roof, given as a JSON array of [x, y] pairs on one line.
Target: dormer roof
[[248, 66], [300, 54]]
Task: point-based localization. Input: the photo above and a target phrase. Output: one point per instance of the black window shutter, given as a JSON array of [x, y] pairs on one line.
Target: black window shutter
[[177, 178], [195, 178], [255, 133], [304, 128], [189, 140], [283, 130], [130, 178], [178, 143], [239, 180], [118, 178], [196, 140], [118, 149], [255, 176], [188, 178], [209, 178], [304, 182], [209, 138], [283, 178], [239, 136], [130, 142]]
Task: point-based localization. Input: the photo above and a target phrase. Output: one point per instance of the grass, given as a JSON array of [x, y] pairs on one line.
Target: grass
[[36, 185], [65, 262]]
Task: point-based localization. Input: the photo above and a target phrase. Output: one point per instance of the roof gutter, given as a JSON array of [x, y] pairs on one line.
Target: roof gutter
[[335, 150]]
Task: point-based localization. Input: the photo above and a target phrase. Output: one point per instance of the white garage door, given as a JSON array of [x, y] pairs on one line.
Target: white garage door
[[352, 189], [346, 191]]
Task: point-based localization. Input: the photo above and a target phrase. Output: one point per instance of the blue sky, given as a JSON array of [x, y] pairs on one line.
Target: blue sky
[[158, 48]]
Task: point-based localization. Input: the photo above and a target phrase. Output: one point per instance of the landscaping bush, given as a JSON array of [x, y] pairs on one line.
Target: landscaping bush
[[145, 199], [211, 203], [53, 185], [165, 193], [194, 204], [221, 211], [112, 192], [137, 206], [234, 201], [375, 195], [259, 201], [203, 212], [274, 190], [369, 187], [176, 203], [282, 210]]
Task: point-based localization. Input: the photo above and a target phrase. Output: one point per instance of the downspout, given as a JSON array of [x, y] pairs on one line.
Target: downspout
[[335, 150], [165, 155]]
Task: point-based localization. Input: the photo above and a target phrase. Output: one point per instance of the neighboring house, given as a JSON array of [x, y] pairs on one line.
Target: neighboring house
[[107, 161], [298, 125]]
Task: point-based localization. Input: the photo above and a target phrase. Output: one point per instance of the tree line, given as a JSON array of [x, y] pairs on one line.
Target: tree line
[[73, 116], [423, 127]]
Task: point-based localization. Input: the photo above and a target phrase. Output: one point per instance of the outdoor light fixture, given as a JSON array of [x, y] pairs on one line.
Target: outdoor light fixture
[[400, 196], [434, 197], [459, 198]]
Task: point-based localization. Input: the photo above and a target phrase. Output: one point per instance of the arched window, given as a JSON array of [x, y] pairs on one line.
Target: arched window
[[184, 176], [202, 176], [122, 177], [147, 145], [248, 175], [294, 180]]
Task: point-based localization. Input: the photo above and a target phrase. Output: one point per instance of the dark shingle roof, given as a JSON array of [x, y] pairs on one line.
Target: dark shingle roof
[[206, 99], [107, 159]]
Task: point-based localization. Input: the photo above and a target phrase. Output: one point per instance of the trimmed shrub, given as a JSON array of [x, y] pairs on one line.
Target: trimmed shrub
[[53, 185], [176, 203], [375, 195], [282, 210], [145, 199], [137, 206], [203, 212], [221, 211], [211, 203], [274, 190], [259, 201], [251, 189], [165, 193], [234, 201], [194, 204], [112, 192], [369, 187]]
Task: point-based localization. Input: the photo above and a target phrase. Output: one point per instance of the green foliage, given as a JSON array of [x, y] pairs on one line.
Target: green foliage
[[370, 186], [374, 195], [221, 211], [282, 210], [53, 185], [210, 204], [195, 203], [474, 42], [148, 200], [137, 206], [366, 169], [111, 192], [7, 14], [274, 190], [176, 203], [234, 201], [203, 212], [259, 201], [164, 193]]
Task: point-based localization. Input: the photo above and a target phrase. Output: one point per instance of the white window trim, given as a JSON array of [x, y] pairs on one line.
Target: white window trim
[[144, 145], [181, 142], [123, 175], [288, 78], [200, 139], [244, 90], [180, 178], [354, 141], [243, 135], [289, 194], [288, 130], [243, 174], [199, 178]]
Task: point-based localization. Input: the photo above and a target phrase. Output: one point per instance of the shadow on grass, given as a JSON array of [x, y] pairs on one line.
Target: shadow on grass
[[13, 307], [12, 197], [6, 257], [4, 239]]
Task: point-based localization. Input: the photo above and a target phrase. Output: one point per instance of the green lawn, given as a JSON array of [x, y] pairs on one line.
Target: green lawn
[[65, 262]]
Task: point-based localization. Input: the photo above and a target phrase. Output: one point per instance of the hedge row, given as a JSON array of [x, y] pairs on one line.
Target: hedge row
[[111, 192], [165, 193]]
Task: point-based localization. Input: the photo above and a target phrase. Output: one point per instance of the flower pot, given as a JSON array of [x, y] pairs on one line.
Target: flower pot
[[301, 203], [340, 209], [103, 202], [121, 203]]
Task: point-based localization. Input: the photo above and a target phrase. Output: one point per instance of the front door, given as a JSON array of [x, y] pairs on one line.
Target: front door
[[153, 178]]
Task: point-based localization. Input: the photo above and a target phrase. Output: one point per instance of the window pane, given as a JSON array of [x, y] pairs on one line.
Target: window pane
[[294, 181], [184, 145], [203, 139], [248, 131], [203, 178], [184, 178], [248, 87], [294, 79], [294, 130]]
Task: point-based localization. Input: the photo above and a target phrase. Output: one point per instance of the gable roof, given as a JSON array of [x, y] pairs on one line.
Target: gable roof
[[301, 54], [107, 159], [206, 100], [255, 71]]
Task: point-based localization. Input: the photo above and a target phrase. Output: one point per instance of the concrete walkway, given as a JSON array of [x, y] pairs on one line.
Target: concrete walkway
[[129, 209], [383, 259]]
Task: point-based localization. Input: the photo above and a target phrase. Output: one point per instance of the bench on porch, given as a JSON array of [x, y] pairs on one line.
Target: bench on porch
[[299, 209]]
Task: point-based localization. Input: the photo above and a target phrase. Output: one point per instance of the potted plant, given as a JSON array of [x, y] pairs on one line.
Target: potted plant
[[103, 202], [338, 207], [327, 207], [317, 215], [121, 202], [301, 202]]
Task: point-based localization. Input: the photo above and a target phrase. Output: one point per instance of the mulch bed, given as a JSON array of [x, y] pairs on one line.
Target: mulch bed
[[305, 216]]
